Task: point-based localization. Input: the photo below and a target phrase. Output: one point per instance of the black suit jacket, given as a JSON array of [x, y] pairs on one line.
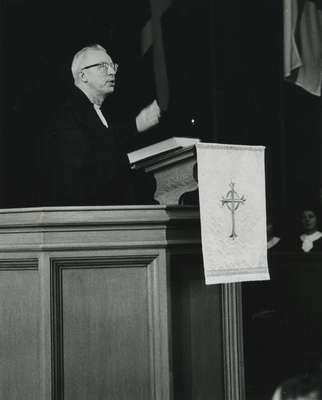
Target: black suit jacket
[[85, 163]]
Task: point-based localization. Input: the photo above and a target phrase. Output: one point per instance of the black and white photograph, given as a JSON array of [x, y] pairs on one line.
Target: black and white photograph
[[160, 200]]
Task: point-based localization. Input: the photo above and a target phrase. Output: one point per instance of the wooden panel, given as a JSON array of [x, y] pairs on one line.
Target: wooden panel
[[105, 329], [19, 333], [197, 332], [103, 317]]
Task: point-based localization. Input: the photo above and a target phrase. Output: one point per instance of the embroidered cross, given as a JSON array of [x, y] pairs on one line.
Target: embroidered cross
[[233, 200]]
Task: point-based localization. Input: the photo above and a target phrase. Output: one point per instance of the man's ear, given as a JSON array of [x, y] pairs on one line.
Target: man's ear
[[83, 77]]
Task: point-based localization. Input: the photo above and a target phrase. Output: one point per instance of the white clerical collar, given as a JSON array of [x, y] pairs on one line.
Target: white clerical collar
[[307, 240], [100, 114]]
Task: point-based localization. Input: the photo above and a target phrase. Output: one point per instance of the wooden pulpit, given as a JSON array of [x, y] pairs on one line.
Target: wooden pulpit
[[110, 303], [173, 164]]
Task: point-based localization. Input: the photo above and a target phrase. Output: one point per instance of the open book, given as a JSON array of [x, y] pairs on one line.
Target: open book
[[161, 147]]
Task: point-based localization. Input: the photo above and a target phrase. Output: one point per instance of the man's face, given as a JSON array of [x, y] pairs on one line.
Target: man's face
[[100, 78]]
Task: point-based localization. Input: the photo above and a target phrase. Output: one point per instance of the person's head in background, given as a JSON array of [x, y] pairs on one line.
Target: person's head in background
[[311, 236], [310, 220], [303, 387], [94, 73]]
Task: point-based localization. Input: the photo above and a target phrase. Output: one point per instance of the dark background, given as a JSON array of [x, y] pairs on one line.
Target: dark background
[[224, 63], [225, 71]]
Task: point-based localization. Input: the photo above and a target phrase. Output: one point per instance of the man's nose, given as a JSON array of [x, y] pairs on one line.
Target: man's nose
[[111, 70]]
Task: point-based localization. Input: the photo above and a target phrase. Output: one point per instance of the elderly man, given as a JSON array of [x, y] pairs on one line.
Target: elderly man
[[85, 161]]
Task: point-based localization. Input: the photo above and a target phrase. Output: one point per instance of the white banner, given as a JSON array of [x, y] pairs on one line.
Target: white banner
[[231, 180]]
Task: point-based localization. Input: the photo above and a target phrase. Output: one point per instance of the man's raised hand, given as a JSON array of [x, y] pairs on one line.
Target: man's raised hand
[[148, 117]]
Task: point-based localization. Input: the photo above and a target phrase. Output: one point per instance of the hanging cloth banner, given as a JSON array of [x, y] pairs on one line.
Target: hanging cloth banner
[[303, 44], [231, 180], [152, 35]]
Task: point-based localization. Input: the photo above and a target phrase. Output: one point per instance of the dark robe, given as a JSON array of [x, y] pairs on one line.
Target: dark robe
[[85, 163], [296, 245]]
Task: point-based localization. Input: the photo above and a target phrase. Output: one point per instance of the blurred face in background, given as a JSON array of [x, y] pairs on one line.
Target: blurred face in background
[[309, 221]]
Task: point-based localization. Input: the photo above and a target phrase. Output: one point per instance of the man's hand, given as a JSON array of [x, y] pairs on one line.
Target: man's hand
[[148, 117]]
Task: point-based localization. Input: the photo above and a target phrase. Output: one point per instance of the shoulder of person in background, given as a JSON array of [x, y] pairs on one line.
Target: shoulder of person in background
[[307, 386]]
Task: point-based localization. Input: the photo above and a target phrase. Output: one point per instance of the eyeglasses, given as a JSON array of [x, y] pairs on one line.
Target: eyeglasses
[[103, 67]]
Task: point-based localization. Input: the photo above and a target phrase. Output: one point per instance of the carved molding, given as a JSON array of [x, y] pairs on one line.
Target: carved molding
[[174, 172], [174, 182], [17, 264], [233, 341], [39, 230], [115, 217]]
